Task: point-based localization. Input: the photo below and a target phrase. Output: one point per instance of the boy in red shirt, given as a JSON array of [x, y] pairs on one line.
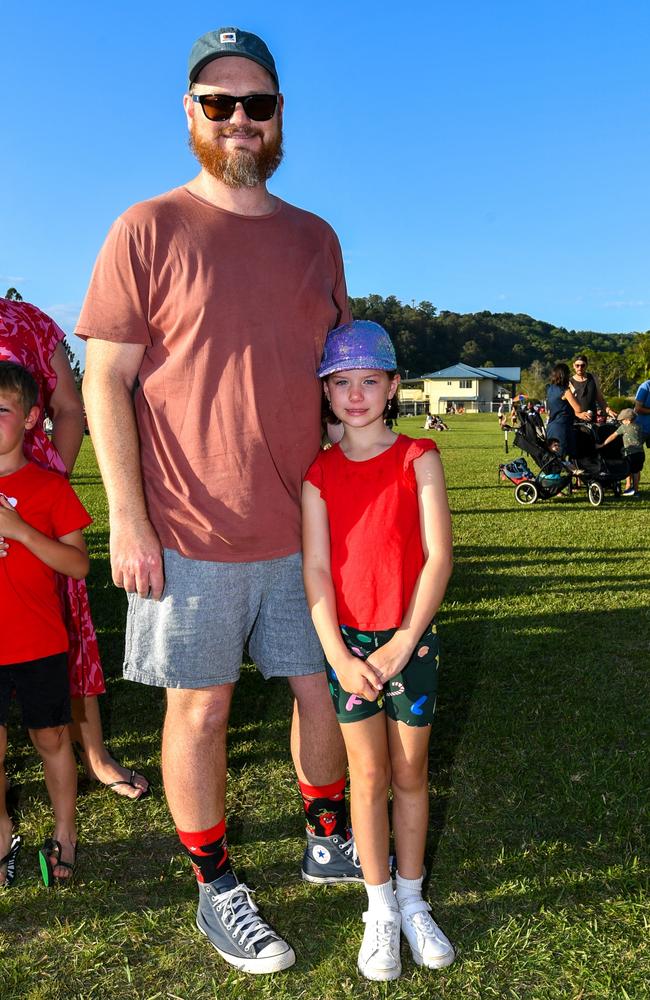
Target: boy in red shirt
[[40, 535]]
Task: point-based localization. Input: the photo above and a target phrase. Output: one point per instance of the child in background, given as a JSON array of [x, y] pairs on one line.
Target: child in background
[[377, 559], [40, 535], [631, 432]]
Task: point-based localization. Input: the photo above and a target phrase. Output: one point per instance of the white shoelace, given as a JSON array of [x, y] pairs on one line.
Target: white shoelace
[[386, 935], [425, 924], [240, 916], [349, 848]]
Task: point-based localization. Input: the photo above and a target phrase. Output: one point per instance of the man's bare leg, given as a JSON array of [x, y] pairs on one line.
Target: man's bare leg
[[194, 761], [319, 758], [317, 746], [194, 774]]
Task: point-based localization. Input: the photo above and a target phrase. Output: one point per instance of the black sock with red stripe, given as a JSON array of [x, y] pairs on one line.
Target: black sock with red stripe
[[325, 808], [208, 851]]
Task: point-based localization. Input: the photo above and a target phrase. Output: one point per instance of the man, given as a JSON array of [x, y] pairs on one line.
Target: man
[[205, 318], [586, 388], [642, 409]]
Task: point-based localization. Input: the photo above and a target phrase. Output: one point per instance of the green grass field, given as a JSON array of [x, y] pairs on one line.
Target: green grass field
[[539, 785]]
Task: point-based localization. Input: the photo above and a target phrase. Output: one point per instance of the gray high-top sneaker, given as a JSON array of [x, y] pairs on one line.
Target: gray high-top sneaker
[[328, 860], [234, 926]]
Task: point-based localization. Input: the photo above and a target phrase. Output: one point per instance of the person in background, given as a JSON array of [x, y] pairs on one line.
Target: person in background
[[586, 389], [642, 410], [632, 434], [562, 409], [31, 338]]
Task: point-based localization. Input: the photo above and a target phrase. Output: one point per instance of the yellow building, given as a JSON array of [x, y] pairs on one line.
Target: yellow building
[[476, 390]]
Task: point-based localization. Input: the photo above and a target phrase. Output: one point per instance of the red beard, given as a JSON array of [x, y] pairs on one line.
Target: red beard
[[239, 167]]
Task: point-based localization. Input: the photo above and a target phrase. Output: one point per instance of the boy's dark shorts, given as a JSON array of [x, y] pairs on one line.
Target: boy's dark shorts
[[408, 697], [635, 461], [42, 690]]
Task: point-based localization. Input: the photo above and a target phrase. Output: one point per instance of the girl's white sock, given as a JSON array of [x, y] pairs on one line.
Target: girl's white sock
[[381, 896], [407, 889]]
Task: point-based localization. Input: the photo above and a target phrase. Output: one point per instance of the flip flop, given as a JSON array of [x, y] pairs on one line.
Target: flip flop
[[52, 846], [92, 779], [130, 781], [9, 861]]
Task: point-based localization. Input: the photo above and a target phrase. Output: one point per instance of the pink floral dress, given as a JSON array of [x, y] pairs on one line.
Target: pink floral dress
[[29, 337]]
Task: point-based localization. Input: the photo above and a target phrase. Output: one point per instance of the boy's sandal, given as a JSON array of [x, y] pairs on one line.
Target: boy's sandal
[[52, 846], [9, 862]]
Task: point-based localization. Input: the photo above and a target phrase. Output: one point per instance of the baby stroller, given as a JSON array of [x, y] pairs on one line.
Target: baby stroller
[[554, 474], [601, 469]]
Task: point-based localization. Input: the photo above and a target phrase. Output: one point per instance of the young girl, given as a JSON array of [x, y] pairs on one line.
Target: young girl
[[377, 559]]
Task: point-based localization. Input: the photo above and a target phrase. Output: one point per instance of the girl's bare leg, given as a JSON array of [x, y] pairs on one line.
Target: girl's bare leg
[[366, 743], [86, 731], [409, 758]]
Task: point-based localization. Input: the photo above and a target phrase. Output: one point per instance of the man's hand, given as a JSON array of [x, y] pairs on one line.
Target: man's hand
[[136, 559], [390, 658], [359, 677]]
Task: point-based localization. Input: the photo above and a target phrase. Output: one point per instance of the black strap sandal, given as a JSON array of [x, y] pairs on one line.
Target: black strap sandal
[[9, 863], [130, 782], [51, 846]]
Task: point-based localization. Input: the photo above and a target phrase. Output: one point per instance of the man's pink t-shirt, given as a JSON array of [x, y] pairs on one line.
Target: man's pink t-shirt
[[233, 312]]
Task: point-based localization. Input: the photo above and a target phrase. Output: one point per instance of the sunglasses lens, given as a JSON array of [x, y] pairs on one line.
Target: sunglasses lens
[[218, 107], [260, 107]]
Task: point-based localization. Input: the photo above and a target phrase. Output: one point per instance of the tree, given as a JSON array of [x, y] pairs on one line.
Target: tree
[[74, 363], [471, 353], [534, 380], [13, 294], [610, 369], [637, 357]]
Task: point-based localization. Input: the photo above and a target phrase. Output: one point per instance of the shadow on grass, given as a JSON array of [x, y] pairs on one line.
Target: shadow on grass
[[558, 739], [548, 735]]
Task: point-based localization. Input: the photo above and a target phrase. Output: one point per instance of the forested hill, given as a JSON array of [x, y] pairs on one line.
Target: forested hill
[[426, 340]]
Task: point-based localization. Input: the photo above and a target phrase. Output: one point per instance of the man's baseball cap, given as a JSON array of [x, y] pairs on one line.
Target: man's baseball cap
[[627, 414], [230, 42], [360, 344]]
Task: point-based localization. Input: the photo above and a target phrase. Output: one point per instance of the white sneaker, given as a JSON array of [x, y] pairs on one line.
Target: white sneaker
[[428, 944], [379, 957]]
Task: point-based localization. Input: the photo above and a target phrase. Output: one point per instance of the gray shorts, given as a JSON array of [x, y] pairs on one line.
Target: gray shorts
[[194, 637]]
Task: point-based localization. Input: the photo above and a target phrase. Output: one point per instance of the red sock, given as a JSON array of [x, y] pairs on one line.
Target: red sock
[[325, 808], [208, 851]]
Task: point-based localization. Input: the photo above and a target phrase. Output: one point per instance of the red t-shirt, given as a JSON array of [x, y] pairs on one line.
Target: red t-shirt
[[32, 619], [374, 521]]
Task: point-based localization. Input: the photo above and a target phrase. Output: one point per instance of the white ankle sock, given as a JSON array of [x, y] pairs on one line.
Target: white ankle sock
[[407, 889], [381, 897]]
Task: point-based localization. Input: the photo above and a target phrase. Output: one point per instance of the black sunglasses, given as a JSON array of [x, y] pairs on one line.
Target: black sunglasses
[[221, 107]]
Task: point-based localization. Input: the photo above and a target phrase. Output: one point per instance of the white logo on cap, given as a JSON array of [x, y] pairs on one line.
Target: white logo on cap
[[227, 37]]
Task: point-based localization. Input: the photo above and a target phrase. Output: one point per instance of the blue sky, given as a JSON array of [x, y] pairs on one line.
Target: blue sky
[[481, 155]]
